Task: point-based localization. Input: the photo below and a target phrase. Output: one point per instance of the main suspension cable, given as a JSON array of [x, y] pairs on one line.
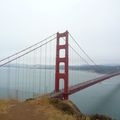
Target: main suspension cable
[[78, 54], [27, 48], [96, 66], [83, 50], [26, 53]]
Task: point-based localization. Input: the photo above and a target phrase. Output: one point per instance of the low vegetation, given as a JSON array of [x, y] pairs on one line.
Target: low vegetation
[[99, 117], [43, 108], [6, 104]]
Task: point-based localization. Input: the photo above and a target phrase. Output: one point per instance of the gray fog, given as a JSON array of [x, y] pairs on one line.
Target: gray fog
[[95, 24]]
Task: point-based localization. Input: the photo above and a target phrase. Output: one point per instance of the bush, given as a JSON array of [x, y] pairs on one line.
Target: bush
[[59, 104], [29, 99], [100, 117]]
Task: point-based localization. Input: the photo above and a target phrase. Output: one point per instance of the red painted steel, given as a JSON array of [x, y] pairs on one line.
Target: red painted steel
[[58, 75], [81, 86], [86, 84]]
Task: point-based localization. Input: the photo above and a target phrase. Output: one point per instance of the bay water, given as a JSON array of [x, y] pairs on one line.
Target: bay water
[[102, 98]]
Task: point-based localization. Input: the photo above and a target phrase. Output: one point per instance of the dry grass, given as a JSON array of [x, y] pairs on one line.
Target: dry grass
[[43, 108], [6, 104]]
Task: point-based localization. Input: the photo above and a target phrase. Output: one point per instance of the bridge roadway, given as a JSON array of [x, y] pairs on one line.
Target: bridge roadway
[[75, 88]]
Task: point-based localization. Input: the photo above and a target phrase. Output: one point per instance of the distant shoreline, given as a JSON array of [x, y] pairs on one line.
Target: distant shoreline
[[100, 69]]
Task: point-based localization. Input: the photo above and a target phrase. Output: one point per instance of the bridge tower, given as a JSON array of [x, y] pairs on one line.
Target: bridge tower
[[64, 60]]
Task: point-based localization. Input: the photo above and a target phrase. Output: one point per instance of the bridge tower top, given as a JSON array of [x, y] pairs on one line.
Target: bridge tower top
[[58, 75]]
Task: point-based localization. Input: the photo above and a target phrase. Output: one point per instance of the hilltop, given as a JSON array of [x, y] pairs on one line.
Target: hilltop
[[43, 108]]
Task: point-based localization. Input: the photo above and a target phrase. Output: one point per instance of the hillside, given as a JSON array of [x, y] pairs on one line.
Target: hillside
[[43, 108], [101, 69]]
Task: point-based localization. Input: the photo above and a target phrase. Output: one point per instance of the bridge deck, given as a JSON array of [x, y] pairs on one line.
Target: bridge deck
[[83, 85]]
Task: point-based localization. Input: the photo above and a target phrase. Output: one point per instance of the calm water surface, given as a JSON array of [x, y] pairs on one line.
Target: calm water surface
[[102, 98]]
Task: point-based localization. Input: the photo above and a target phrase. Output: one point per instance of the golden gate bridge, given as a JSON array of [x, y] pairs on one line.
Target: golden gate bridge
[[39, 69]]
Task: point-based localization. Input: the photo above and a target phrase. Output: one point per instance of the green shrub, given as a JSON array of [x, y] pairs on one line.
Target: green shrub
[[100, 117], [59, 104]]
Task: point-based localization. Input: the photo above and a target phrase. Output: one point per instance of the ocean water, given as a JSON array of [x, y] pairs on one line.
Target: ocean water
[[24, 83], [102, 98]]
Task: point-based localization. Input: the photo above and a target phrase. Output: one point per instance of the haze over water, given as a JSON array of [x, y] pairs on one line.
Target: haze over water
[[102, 98]]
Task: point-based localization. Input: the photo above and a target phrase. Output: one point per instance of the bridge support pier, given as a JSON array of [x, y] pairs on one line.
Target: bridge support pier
[[59, 60]]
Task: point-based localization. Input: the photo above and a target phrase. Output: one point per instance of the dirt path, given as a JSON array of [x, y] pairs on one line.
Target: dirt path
[[23, 111], [43, 109]]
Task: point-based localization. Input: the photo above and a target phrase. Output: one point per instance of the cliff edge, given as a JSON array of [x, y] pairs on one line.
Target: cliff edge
[[43, 108]]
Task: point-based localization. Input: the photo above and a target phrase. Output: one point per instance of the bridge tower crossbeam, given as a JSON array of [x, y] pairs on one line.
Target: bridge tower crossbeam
[[58, 75]]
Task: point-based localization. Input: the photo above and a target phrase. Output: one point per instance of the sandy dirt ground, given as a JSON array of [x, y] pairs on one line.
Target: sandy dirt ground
[[21, 111], [39, 109], [43, 108]]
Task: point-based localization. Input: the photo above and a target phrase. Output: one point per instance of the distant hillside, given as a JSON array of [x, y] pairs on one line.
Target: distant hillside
[[102, 69]]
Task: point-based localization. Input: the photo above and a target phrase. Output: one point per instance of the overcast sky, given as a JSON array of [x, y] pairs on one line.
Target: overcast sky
[[94, 23]]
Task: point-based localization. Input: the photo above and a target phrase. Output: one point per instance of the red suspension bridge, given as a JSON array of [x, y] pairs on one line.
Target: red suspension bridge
[[52, 64]]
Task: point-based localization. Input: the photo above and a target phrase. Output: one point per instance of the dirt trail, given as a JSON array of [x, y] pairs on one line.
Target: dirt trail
[[42, 109], [23, 111], [39, 109]]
